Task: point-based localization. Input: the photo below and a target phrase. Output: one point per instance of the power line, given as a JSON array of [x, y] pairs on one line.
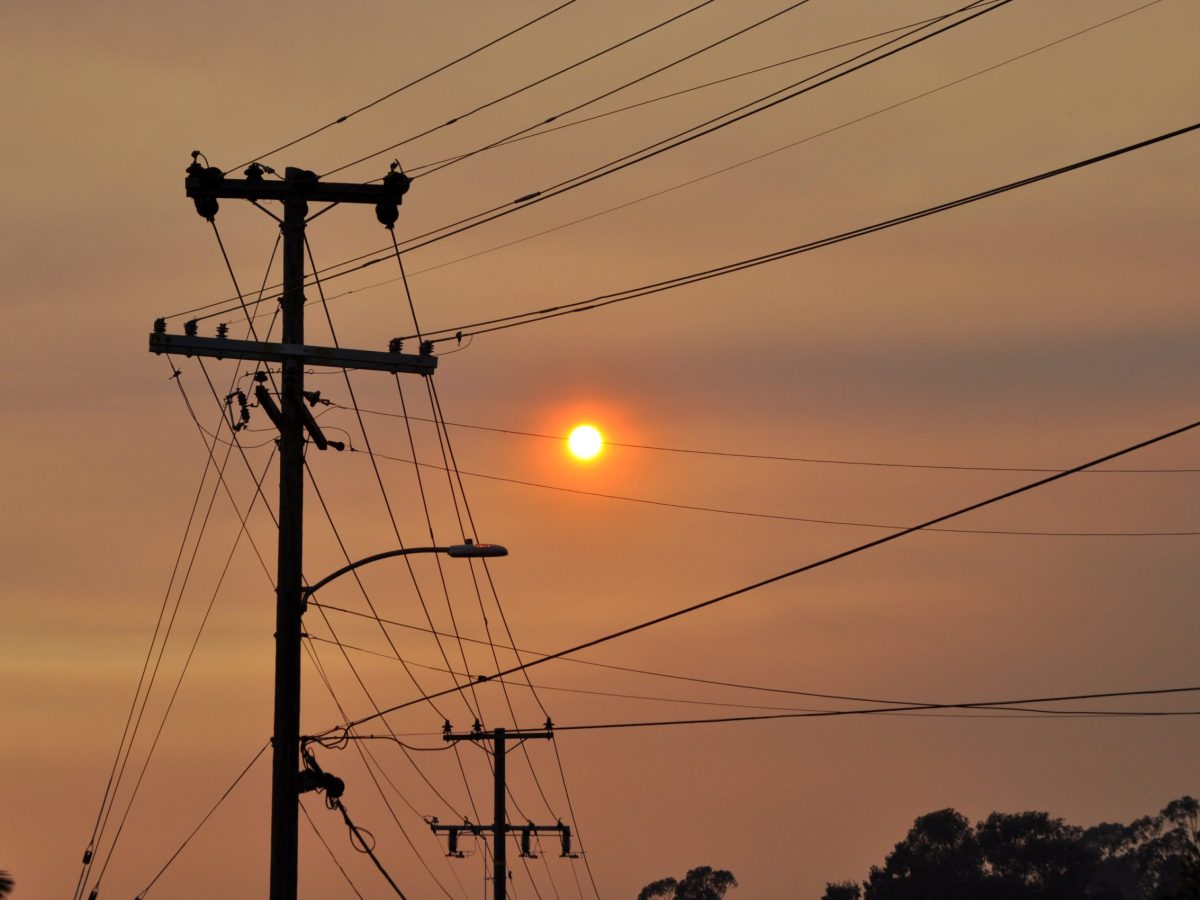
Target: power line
[[207, 816], [652, 150], [824, 561], [417, 171], [766, 456], [1009, 712], [863, 712], [603, 300], [708, 682], [1011, 532], [328, 849], [413, 83], [520, 90], [728, 168], [438, 166]]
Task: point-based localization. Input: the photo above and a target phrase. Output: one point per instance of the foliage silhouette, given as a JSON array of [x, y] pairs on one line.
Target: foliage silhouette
[[1032, 856], [702, 883], [6, 884]]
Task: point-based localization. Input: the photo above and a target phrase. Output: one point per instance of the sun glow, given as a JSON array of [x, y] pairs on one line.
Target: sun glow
[[585, 442]]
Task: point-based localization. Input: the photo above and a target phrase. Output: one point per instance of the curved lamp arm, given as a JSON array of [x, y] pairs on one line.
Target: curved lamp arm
[[466, 550]]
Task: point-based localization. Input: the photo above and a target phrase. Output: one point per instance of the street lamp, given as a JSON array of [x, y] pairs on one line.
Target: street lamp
[[468, 549]]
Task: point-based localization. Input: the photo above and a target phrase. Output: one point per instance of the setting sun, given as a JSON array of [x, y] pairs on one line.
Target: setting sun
[[585, 442]]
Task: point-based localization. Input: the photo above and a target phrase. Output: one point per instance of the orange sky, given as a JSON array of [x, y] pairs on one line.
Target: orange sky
[[1038, 329]]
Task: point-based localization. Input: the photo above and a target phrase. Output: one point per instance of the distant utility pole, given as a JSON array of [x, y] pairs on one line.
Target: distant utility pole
[[499, 829], [205, 185]]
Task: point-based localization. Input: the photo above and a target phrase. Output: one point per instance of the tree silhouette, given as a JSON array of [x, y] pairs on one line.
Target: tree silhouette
[[6, 884], [1032, 856], [702, 883], [843, 890]]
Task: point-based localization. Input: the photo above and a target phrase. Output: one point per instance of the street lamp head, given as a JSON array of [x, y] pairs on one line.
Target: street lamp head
[[469, 550]]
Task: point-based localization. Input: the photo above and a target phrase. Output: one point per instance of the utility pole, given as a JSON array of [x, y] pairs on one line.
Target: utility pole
[[499, 829], [206, 185]]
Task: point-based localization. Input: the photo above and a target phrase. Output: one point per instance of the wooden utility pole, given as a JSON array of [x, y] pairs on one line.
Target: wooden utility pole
[[500, 828], [205, 185]]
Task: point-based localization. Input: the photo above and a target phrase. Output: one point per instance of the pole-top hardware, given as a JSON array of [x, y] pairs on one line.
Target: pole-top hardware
[[189, 327], [395, 186]]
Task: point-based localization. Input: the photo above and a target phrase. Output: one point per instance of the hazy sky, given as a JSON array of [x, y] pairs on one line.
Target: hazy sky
[[1039, 329]]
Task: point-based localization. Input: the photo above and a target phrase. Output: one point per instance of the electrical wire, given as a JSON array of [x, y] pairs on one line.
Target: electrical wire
[[862, 712], [1009, 532], [690, 679], [113, 782], [348, 661], [242, 530], [451, 461], [807, 567], [207, 816], [447, 459], [328, 849], [454, 228], [516, 135], [413, 83], [90, 859], [359, 840], [1008, 712], [766, 456], [508, 96], [603, 300], [419, 169], [690, 134]]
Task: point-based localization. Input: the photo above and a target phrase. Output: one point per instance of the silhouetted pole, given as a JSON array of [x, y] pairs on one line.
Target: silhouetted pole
[[499, 821], [205, 184], [500, 827], [285, 769]]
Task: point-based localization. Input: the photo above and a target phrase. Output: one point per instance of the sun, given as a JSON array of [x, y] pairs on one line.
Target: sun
[[585, 442]]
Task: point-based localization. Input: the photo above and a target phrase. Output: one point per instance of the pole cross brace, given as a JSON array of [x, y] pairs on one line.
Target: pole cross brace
[[308, 355], [526, 831]]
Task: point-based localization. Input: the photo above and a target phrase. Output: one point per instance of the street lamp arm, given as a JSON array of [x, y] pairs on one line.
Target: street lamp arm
[[469, 549], [311, 589]]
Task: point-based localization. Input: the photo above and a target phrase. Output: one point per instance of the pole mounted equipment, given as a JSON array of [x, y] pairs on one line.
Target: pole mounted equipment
[[500, 829]]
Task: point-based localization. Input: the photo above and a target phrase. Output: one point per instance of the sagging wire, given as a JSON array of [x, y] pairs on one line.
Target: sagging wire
[[229, 790], [89, 856], [442, 442], [379, 479], [333, 787], [320, 837], [369, 760]]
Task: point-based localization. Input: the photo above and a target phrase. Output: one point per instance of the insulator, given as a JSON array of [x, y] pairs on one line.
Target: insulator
[[395, 345], [427, 348], [189, 327], [222, 330], [387, 214], [160, 326], [395, 185], [254, 172]]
